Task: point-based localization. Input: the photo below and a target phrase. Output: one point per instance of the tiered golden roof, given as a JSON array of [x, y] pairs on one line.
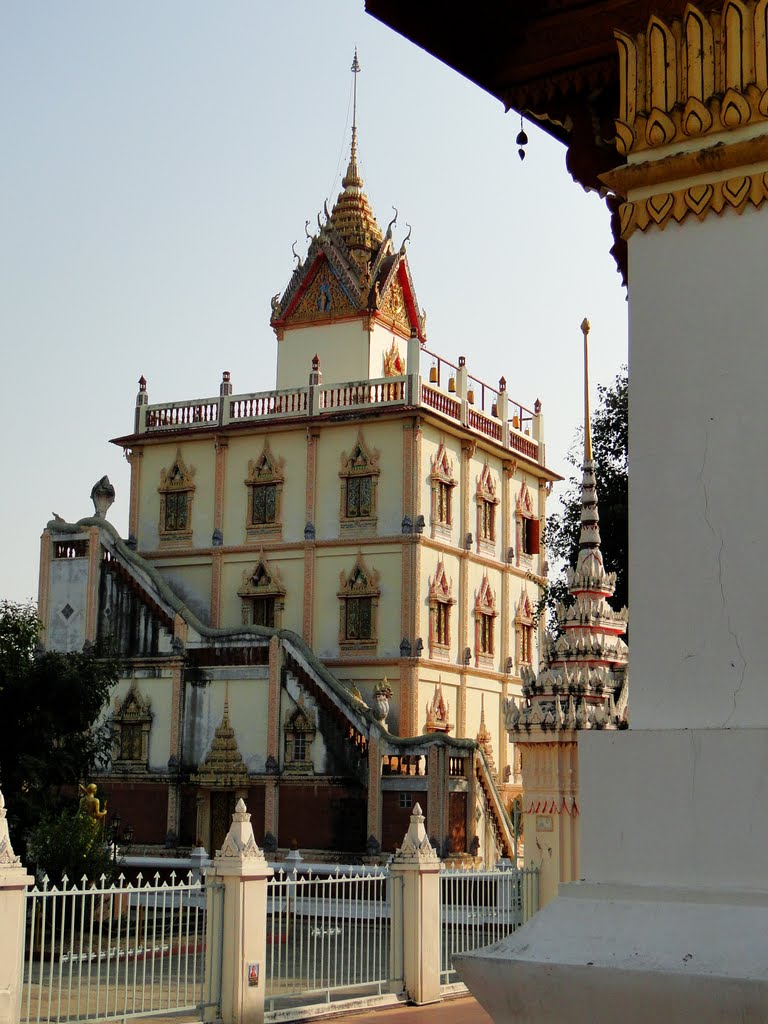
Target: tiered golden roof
[[352, 215]]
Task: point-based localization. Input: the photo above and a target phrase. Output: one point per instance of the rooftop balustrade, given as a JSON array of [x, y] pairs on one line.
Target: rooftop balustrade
[[443, 388]]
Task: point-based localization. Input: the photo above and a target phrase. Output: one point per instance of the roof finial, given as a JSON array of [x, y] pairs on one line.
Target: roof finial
[[352, 177], [587, 426]]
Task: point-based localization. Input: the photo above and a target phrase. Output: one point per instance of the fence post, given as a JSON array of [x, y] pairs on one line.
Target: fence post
[[242, 869], [419, 867], [13, 883]]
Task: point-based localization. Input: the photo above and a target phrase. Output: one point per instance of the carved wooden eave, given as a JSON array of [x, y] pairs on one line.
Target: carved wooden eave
[[554, 60]]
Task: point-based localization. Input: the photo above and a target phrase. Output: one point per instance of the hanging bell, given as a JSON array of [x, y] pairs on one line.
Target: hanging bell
[[521, 141]]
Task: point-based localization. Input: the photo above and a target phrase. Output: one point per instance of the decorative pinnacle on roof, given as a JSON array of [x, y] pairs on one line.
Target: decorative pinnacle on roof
[[583, 679], [352, 215]]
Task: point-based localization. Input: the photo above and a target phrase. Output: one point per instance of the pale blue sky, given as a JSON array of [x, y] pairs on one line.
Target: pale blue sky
[[158, 161]]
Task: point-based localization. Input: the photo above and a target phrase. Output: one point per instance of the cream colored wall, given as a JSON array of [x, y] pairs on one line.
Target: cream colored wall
[[342, 348], [290, 445], [381, 339], [387, 437], [248, 699], [159, 691], [199, 454], [190, 578], [386, 560], [290, 567]]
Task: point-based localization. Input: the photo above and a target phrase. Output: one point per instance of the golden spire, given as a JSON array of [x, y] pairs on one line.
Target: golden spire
[[352, 216]]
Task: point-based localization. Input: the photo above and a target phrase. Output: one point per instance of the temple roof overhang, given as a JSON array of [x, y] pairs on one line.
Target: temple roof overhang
[[555, 61]]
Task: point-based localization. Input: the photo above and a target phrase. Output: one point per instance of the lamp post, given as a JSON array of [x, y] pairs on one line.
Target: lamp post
[[117, 836]]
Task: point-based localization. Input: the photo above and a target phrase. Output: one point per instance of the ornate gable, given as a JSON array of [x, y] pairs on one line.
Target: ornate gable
[[266, 469], [360, 460], [394, 364], [485, 599], [438, 712], [440, 588], [262, 579], [442, 467], [486, 486], [360, 581], [179, 477], [524, 502], [524, 610], [322, 297]]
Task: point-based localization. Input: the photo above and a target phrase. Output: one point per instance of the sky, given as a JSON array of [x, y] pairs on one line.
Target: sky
[[159, 161]]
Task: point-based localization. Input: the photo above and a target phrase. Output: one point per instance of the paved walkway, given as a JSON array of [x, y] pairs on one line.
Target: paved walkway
[[451, 1011]]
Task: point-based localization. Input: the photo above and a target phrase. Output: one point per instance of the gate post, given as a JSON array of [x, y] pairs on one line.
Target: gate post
[[241, 868], [13, 883], [419, 867]]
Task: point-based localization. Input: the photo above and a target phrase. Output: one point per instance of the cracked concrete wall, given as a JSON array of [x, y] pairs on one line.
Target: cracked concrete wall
[[698, 489]]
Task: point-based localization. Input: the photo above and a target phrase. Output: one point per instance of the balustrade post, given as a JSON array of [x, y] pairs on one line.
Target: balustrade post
[[315, 380], [13, 884], [461, 388], [142, 401], [538, 430], [225, 398], [413, 366], [242, 869], [418, 865]]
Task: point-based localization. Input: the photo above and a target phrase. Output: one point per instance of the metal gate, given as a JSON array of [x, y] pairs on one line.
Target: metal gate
[[98, 952]]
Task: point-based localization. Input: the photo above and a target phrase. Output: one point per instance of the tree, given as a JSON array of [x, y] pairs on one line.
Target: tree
[[49, 706], [609, 448]]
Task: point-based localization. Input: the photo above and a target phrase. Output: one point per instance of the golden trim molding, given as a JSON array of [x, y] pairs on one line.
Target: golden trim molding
[[697, 76], [697, 200]]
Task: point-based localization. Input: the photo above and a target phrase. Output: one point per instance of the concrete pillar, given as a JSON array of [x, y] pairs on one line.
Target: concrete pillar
[[417, 868], [13, 883], [242, 927]]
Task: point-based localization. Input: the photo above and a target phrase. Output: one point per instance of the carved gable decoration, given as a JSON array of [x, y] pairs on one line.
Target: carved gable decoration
[[131, 724], [440, 589], [266, 469], [524, 611], [179, 477], [442, 467], [438, 712], [486, 486], [360, 582], [391, 303], [394, 364], [323, 299], [262, 580], [524, 502], [361, 460], [300, 720], [485, 599]]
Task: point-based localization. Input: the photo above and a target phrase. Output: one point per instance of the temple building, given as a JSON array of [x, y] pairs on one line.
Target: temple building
[[582, 683], [328, 589]]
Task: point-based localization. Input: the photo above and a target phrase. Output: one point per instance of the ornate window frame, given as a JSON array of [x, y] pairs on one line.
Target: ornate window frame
[[441, 476], [361, 462], [131, 712], [524, 631], [440, 596], [526, 520], [485, 613], [265, 471], [360, 583], [299, 732], [486, 500], [263, 580], [176, 480]]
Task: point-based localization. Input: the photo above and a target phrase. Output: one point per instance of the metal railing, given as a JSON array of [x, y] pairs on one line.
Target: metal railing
[[481, 907], [102, 952], [327, 936]]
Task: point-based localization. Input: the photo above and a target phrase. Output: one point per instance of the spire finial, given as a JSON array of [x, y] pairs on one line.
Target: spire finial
[[352, 177], [587, 426]]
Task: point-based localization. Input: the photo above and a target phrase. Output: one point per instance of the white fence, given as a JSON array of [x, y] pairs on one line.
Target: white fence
[[327, 936], [103, 952], [478, 908]]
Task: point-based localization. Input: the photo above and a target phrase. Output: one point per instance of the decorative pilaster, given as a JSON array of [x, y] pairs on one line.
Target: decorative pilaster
[[373, 825], [44, 580], [174, 753], [135, 457], [217, 563], [94, 567], [310, 554]]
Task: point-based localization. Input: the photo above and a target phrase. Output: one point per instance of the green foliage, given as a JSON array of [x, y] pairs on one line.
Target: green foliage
[[49, 703], [72, 844], [609, 447]]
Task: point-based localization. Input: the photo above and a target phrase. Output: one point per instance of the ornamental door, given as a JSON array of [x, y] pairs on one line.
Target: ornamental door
[[222, 809]]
